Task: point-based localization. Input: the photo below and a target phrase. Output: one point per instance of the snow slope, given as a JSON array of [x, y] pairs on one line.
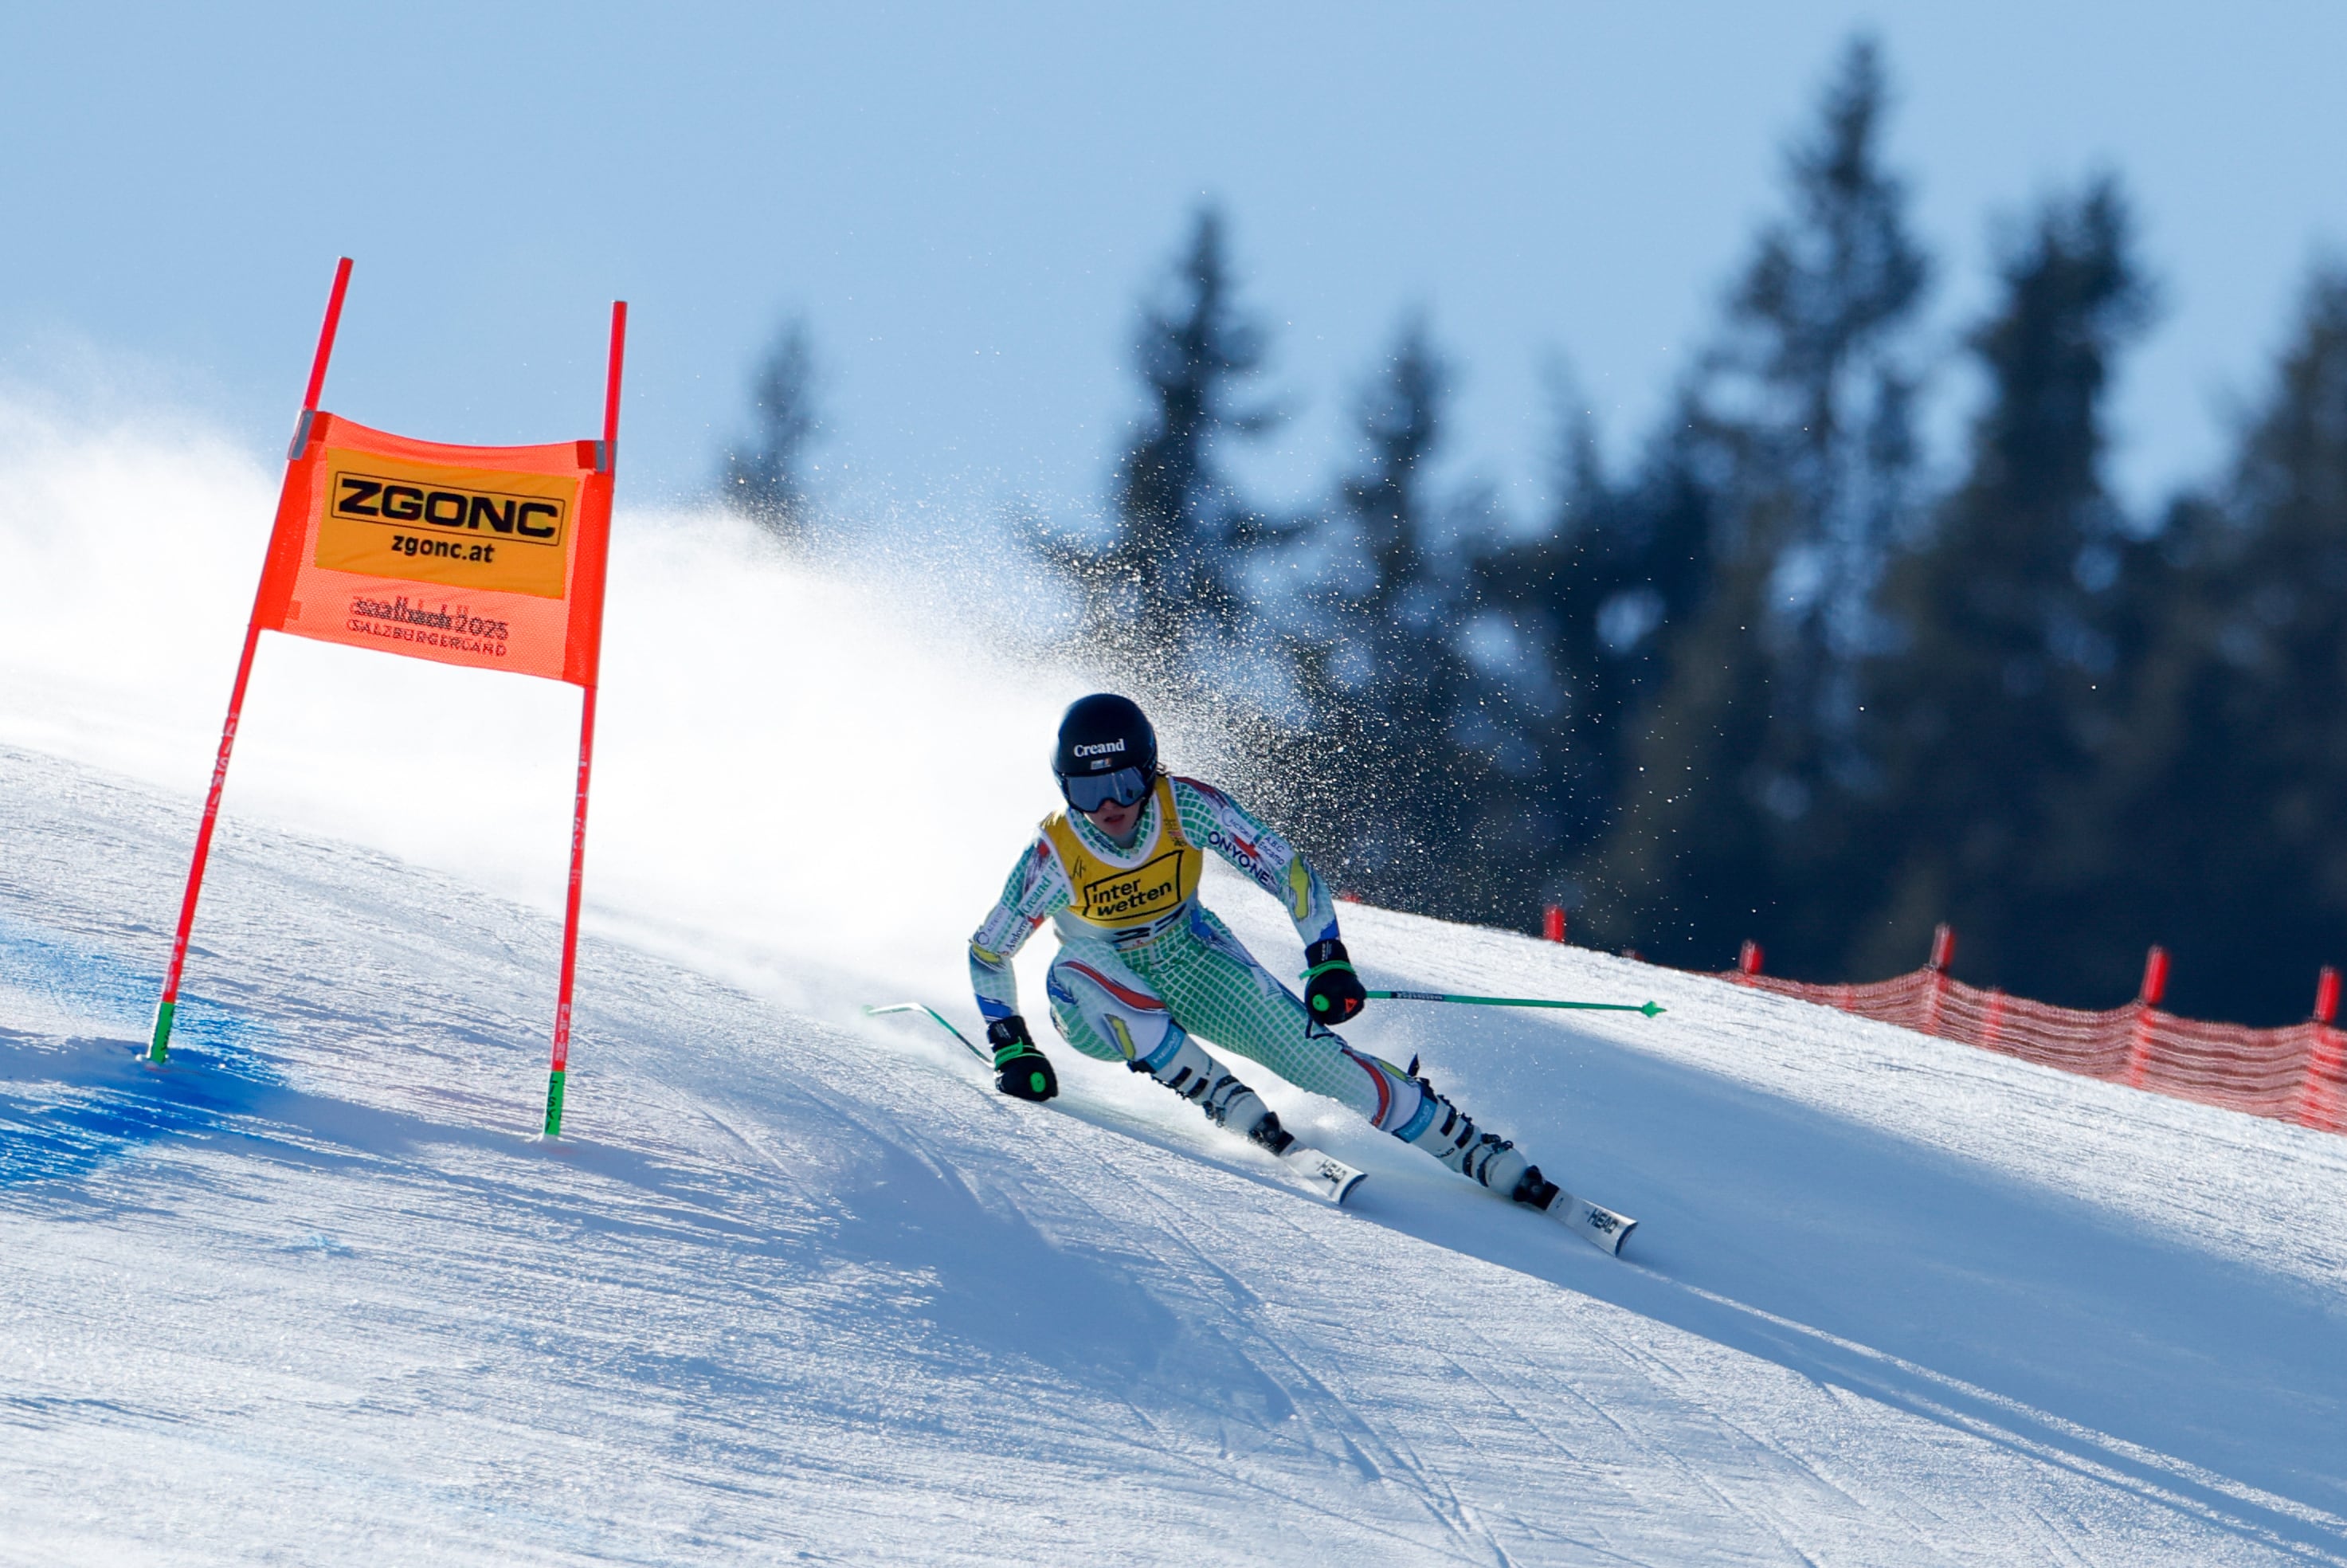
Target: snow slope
[[797, 1287]]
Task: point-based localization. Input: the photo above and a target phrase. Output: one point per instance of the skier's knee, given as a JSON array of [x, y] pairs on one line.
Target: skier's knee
[[1075, 1030], [1400, 1100]]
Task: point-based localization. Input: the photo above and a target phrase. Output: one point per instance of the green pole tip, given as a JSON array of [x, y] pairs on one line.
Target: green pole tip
[[160, 1048], [554, 1104], [1651, 1008]]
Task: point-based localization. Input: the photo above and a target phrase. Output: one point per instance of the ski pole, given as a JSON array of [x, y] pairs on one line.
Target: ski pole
[[1648, 1009], [936, 1016]]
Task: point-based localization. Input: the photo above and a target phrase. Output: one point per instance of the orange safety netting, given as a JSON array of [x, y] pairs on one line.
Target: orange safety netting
[[2290, 1075]]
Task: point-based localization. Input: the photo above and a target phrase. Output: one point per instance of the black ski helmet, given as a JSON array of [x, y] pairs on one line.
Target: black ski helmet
[[1101, 735]]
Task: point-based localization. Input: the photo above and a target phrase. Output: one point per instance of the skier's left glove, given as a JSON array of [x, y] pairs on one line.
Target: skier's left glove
[[1332, 991], [1021, 1071]]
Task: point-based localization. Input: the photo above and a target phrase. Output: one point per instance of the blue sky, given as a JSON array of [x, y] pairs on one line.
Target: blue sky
[[967, 202]]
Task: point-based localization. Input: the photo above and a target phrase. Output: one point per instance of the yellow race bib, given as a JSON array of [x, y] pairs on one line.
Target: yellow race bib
[[1113, 896]]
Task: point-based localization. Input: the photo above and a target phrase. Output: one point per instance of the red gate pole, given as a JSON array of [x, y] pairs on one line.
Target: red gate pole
[[159, 1049], [2146, 1006], [558, 1073], [555, 1076]]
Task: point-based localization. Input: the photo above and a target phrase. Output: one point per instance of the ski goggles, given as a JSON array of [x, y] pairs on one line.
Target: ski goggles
[[1090, 792]]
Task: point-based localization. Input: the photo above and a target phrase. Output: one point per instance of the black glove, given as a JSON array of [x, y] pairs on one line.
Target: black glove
[[1332, 991], [1020, 1069]]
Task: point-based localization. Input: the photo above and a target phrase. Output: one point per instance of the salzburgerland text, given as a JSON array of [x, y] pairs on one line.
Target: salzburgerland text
[[399, 621]]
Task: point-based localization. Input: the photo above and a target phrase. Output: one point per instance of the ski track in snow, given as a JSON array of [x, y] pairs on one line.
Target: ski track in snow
[[799, 1287]]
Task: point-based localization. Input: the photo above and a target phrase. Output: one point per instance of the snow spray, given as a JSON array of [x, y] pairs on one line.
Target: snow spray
[[762, 807]]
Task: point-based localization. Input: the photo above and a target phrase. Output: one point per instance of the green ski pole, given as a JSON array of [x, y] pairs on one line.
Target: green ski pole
[[1648, 1009], [936, 1016]]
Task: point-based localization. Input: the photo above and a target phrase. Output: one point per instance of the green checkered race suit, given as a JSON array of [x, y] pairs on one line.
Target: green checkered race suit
[[1142, 965]]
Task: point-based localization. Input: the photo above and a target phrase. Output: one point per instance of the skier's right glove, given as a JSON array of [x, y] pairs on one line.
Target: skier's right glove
[[1020, 1069]]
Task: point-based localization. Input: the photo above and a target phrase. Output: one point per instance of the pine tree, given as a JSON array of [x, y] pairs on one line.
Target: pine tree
[[2227, 780], [1794, 442], [1378, 668], [1166, 581], [1994, 720], [765, 479], [1586, 603]]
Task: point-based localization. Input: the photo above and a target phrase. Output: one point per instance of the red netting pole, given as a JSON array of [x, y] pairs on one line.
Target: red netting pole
[[158, 1049], [1748, 962], [1943, 953], [1553, 923], [2147, 1013], [2314, 1109]]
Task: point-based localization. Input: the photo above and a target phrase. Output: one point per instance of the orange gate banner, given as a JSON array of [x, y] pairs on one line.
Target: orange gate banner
[[491, 557]]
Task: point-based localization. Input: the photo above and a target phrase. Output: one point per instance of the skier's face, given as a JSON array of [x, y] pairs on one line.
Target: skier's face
[[1117, 821]]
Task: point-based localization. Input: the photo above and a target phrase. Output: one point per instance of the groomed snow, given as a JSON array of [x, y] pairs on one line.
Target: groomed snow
[[798, 1288]]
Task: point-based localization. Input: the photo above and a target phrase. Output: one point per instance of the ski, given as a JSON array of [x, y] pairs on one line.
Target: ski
[[1315, 1169], [1601, 1228], [1323, 1172]]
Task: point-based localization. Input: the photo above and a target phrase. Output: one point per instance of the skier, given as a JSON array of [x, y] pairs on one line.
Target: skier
[[1144, 965]]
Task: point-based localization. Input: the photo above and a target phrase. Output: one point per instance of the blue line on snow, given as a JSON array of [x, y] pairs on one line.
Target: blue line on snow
[[70, 1106]]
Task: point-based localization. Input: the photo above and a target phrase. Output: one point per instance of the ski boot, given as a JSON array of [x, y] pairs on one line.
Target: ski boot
[[1183, 1067], [1450, 1134]]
